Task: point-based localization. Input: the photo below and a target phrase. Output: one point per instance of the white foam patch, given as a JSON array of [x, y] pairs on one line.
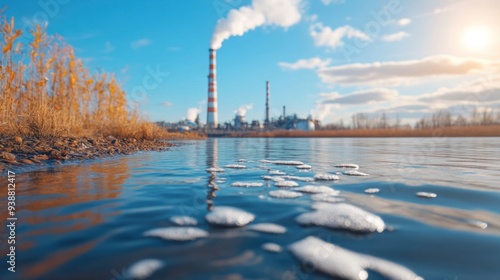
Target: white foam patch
[[477, 223], [304, 166], [298, 178], [184, 221], [342, 263], [347, 165], [235, 166], [276, 172], [247, 184], [272, 247], [355, 173], [342, 216], [426, 195], [372, 190], [242, 160], [326, 177], [229, 216], [265, 161], [177, 233], [214, 169], [143, 269], [317, 189], [268, 228], [326, 198], [273, 178], [287, 162], [284, 194], [286, 184]]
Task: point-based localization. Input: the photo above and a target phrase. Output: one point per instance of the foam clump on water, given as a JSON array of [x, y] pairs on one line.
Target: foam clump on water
[[214, 169], [355, 173], [273, 178], [276, 172], [347, 165], [342, 263], [229, 217], [342, 216], [235, 166], [303, 166], [268, 228], [286, 184], [317, 189], [426, 195], [372, 190], [247, 184], [272, 247], [177, 233], [326, 177], [184, 221], [287, 162], [298, 178], [143, 269], [284, 194], [321, 197]]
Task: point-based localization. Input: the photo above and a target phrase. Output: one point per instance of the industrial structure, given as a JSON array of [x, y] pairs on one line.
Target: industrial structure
[[212, 116], [268, 93]]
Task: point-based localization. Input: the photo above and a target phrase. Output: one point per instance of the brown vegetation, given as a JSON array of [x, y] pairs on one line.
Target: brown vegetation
[[45, 91]]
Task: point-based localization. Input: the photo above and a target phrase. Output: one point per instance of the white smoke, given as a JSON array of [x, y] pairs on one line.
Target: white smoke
[[242, 110], [282, 13], [192, 113]]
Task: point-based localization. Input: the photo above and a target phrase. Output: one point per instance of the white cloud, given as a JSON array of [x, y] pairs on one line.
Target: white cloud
[[140, 43], [369, 96], [192, 113], [167, 104], [328, 2], [311, 63], [324, 36], [404, 21], [243, 109], [398, 72], [398, 36], [282, 13]]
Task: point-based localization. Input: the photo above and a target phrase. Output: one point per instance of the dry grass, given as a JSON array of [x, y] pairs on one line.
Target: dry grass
[[45, 91], [466, 131]]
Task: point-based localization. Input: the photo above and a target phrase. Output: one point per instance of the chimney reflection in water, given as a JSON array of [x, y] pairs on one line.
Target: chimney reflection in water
[[212, 161]]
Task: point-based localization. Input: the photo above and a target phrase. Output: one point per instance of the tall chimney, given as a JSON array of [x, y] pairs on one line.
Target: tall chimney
[[284, 112], [212, 117], [268, 92]]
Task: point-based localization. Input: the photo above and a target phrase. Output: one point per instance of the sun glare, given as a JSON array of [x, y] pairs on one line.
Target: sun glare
[[477, 38]]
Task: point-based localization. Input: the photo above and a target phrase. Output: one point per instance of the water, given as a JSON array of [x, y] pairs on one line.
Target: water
[[87, 220]]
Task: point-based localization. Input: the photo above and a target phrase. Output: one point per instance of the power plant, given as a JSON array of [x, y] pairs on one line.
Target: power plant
[[212, 116]]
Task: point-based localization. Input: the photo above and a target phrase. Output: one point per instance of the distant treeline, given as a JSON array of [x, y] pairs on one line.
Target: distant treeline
[[439, 119]]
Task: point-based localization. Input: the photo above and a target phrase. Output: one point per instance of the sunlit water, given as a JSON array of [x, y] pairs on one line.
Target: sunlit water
[[95, 220]]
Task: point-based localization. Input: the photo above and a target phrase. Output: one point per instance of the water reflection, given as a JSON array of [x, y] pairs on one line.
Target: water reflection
[[212, 153]]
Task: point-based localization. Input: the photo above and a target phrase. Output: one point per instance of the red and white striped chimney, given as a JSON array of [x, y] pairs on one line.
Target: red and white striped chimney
[[212, 117]]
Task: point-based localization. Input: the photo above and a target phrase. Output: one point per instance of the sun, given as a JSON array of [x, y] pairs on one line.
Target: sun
[[477, 38]]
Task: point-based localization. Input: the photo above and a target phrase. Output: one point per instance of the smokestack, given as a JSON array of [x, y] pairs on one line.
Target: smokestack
[[284, 112], [268, 93], [212, 117]]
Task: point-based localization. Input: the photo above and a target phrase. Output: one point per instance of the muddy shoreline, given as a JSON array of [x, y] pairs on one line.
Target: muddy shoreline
[[16, 152]]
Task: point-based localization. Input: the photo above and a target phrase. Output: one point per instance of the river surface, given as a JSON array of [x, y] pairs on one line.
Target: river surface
[[88, 220]]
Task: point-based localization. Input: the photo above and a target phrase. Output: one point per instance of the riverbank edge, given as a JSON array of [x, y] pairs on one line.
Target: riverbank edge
[[16, 152]]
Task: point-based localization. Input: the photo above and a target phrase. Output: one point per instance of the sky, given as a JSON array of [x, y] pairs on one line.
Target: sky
[[325, 58]]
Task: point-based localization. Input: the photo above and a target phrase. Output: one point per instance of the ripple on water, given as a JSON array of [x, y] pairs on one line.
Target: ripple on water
[[247, 184], [286, 184], [276, 172], [235, 166], [298, 178], [354, 173], [273, 178], [317, 189], [347, 165], [284, 194], [304, 166], [143, 269], [184, 220], [229, 216], [342, 216], [214, 169], [372, 190], [326, 177], [177, 233], [272, 247], [339, 262], [321, 197], [268, 228]]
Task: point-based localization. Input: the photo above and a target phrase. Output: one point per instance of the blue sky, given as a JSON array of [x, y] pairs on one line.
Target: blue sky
[[407, 57]]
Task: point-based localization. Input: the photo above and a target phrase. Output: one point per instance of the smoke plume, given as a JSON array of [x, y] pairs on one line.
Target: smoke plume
[[282, 13], [192, 113], [242, 111]]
